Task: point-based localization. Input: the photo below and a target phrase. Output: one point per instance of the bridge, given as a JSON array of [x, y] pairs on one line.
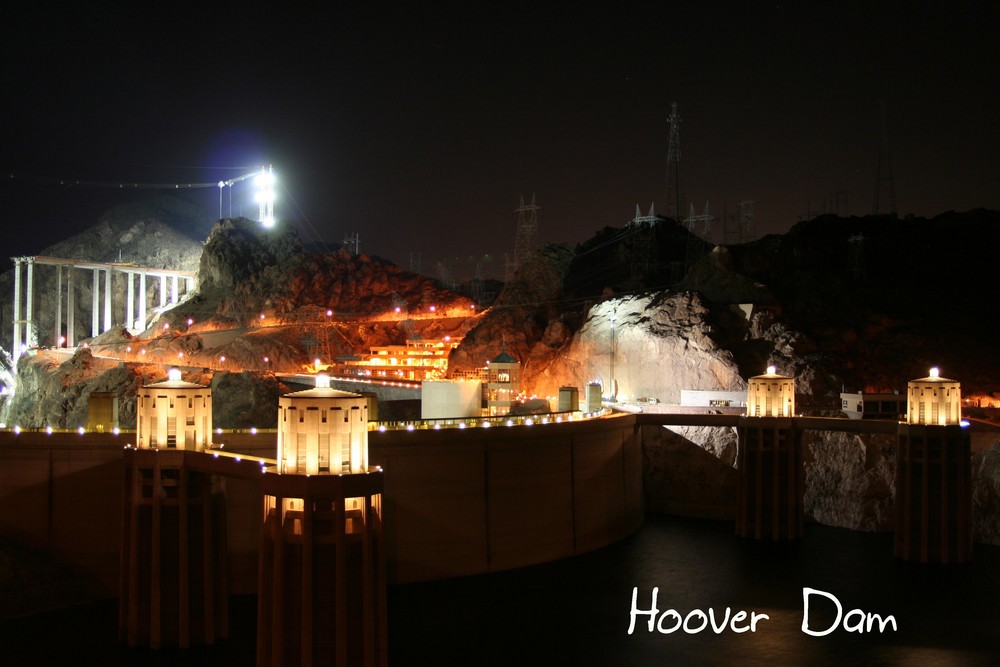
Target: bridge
[[26, 333]]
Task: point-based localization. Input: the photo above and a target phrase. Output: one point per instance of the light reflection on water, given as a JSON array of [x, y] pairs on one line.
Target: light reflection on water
[[576, 611]]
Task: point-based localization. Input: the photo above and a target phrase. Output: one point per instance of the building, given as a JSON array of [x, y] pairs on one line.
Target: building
[[322, 430], [174, 414], [451, 399], [416, 360], [322, 584], [770, 497], [933, 475], [934, 400], [173, 560], [873, 405], [713, 399], [771, 395], [102, 412], [503, 383]]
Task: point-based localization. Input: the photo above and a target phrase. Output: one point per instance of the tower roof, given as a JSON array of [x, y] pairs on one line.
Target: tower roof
[[503, 357], [934, 377], [174, 381], [772, 373]]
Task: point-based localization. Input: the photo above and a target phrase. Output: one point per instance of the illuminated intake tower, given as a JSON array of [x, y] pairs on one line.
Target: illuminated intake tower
[[769, 461], [322, 589], [934, 475], [173, 572]]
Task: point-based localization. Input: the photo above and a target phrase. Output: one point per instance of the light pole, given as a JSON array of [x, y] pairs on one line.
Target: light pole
[[611, 387]]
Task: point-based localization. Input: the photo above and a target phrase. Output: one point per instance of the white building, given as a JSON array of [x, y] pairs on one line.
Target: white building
[[174, 414], [771, 395], [322, 430], [713, 399], [450, 399], [934, 400]]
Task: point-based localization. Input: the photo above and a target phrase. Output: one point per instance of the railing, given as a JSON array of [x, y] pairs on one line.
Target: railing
[[483, 422]]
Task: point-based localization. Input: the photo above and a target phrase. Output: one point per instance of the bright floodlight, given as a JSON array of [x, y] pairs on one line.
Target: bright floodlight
[[174, 374], [265, 196]]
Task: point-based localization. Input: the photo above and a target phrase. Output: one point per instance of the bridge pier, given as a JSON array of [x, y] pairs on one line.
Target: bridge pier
[[173, 560], [102, 315], [769, 505]]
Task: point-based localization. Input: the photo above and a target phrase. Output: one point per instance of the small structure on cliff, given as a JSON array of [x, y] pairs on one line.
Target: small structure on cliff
[[503, 383]]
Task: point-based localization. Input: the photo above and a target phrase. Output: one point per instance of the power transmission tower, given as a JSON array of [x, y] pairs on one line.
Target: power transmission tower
[[694, 240], [747, 231], [840, 207], [884, 183], [526, 238], [352, 243], [856, 258], [738, 227], [705, 218], [643, 242], [675, 192]]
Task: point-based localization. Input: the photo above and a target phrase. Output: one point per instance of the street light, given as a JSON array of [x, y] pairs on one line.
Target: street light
[[611, 388]]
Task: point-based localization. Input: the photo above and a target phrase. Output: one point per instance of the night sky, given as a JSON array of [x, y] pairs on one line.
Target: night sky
[[420, 128]]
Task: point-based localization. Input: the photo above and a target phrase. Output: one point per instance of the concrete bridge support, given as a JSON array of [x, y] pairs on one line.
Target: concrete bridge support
[[173, 589], [933, 494], [771, 479], [102, 315]]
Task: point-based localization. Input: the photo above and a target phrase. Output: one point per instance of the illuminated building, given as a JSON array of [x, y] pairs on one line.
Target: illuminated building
[[322, 430], [321, 588], [173, 572], [934, 475], [569, 399], [771, 395], [503, 383], [417, 360], [769, 460], [174, 414], [102, 411]]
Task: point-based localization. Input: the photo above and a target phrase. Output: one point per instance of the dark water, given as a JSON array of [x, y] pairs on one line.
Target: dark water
[[577, 611]]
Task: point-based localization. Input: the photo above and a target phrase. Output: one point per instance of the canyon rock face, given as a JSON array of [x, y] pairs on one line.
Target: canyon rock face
[[850, 480], [649, 346]]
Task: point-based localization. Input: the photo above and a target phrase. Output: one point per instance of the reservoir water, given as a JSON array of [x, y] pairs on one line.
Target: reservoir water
[[578, 611]]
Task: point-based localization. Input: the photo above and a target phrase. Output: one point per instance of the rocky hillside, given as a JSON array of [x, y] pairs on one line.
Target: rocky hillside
[[866, 303], [314, 306]]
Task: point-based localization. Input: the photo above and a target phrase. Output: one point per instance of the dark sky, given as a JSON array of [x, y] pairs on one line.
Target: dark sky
[[420, 128]]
